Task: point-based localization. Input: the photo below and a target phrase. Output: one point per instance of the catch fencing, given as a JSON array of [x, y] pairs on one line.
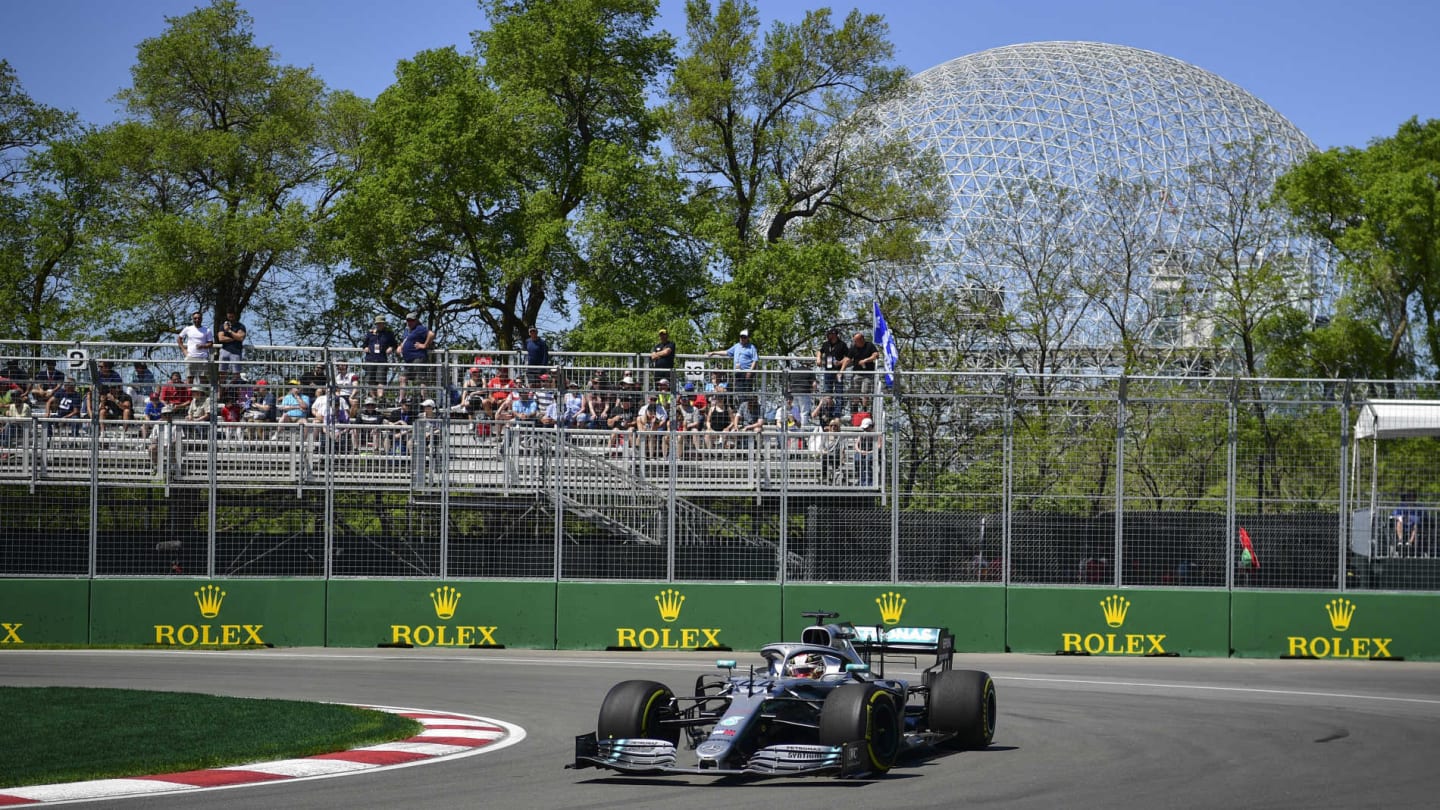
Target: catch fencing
[[1099, 479]]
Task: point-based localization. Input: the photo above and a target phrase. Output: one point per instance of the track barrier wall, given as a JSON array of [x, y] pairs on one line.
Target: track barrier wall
[[975, 614], [666, 616], [208, 612], [1336, 625], [435, 613], [1122, 621], [44, 611], [697, 616]]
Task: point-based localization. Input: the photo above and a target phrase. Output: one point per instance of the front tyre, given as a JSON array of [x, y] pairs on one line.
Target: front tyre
[[634, 709], [863, 711], [962, 702]]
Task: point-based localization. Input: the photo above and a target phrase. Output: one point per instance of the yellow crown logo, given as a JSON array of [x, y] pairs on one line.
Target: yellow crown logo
[[1115, 607], [669, 601], [1341, 612], [209, 598], [891, 606], [445, 599]]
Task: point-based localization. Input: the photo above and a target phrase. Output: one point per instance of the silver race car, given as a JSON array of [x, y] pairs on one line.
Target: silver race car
[[822, 705]]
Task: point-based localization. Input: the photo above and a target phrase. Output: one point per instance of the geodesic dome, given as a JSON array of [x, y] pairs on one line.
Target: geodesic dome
[[1073, 114]]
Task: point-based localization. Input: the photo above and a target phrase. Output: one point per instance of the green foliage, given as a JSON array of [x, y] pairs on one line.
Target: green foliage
[[219, 169], [779, 134], [1379, 209]]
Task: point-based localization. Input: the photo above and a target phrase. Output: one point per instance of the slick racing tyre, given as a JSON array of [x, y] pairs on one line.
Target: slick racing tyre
[[962, 702], [863, 711], [634, 709]]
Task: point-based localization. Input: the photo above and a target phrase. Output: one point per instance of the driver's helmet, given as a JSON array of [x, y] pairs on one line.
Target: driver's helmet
[[807, 665]]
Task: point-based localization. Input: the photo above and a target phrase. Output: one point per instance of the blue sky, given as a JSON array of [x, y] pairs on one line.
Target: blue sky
[[1343, 72]]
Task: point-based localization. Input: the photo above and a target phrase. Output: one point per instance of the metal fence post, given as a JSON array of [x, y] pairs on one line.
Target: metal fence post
[[1232, 441], [443, 393], [1120, 419], [1344, 510], [1007, 494]]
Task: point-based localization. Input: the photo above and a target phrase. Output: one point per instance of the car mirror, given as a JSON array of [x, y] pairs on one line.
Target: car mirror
[[725, 663], [857, 667]]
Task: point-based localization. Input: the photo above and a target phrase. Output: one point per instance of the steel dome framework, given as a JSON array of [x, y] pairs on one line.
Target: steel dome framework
[[1074, 114]]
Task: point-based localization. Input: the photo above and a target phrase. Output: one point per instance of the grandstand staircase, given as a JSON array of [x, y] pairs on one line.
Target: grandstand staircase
[[608, 493]]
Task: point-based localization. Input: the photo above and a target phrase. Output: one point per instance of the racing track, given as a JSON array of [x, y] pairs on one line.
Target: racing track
[[1094, 733]]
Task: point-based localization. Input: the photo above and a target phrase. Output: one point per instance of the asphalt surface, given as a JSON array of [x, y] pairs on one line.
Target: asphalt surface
[[1094, 733]]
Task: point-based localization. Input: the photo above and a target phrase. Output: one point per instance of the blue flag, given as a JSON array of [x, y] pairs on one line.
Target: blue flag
[[886, 342]]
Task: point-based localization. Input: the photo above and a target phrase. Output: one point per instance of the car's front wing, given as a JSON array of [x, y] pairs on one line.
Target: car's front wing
[[651, 757]]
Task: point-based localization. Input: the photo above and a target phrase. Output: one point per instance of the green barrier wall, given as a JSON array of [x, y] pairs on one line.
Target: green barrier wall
[[208, 612], [44, 611], [1121, 621], [1270, 624], [451, 613], [673, 616], [974, 613]]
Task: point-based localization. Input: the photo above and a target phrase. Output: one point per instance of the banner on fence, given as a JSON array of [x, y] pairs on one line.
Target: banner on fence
[[1123, 621], [666, 616], [44, 611], [440, 613], [975, 614], [209, 613], [1335, 625]]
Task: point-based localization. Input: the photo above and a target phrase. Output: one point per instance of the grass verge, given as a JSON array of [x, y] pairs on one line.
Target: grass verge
[[60, 734]]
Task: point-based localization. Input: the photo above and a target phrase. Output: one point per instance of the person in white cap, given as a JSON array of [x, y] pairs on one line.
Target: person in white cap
[[865, 447], [746, 357]]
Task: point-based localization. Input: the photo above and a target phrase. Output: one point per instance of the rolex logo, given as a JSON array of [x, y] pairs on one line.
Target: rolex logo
[[669, 601], [445, 599], [891, 606], [1341, 611], [209, 598], [1115, 607]]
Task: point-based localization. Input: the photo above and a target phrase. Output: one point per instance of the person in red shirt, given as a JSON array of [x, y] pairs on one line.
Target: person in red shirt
[[175, 392]]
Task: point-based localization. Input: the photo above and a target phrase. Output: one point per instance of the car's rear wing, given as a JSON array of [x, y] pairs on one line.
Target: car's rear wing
[[876, 641]]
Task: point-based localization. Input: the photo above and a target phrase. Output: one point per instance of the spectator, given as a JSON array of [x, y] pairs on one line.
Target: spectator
[[750, 420], [380, 346], [328, 408], [521, 409], [689, 419], [107, 377], [114, 406], [199, 409], [368, 421], [48, 380], [826, 410], [294, 406], [415, 345], [65, 403], [830, 447], [13, 373], [860, 361], [153, 404], [663, 395], [652, 421], [574, 413], [537, 356], [473, 393], [142, 381], [195, 341], [502, 389], [545, 393], [662, 357], [620, 417], [865, 446], [719, 418], [175, 392], [164, 434], [790, 418], [831, 357], [232, 346], [1407, 518], [262, 404], [745, 356], [346, 381], [17, 408], [315, 378]]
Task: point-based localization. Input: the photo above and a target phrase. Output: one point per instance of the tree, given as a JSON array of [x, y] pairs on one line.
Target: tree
[[492, 177], [784, 143], [224, 165], [1378, 208], [46, 198]]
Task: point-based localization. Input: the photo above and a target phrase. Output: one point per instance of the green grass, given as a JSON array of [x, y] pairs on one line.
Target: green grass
[[57, 734]]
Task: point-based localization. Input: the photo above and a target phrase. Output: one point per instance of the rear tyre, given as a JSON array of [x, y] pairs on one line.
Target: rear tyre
[[634, 709], [863, 711], [962, 702]]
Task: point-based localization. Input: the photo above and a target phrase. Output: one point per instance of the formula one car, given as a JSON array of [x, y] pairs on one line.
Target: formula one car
[[822, 705]]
